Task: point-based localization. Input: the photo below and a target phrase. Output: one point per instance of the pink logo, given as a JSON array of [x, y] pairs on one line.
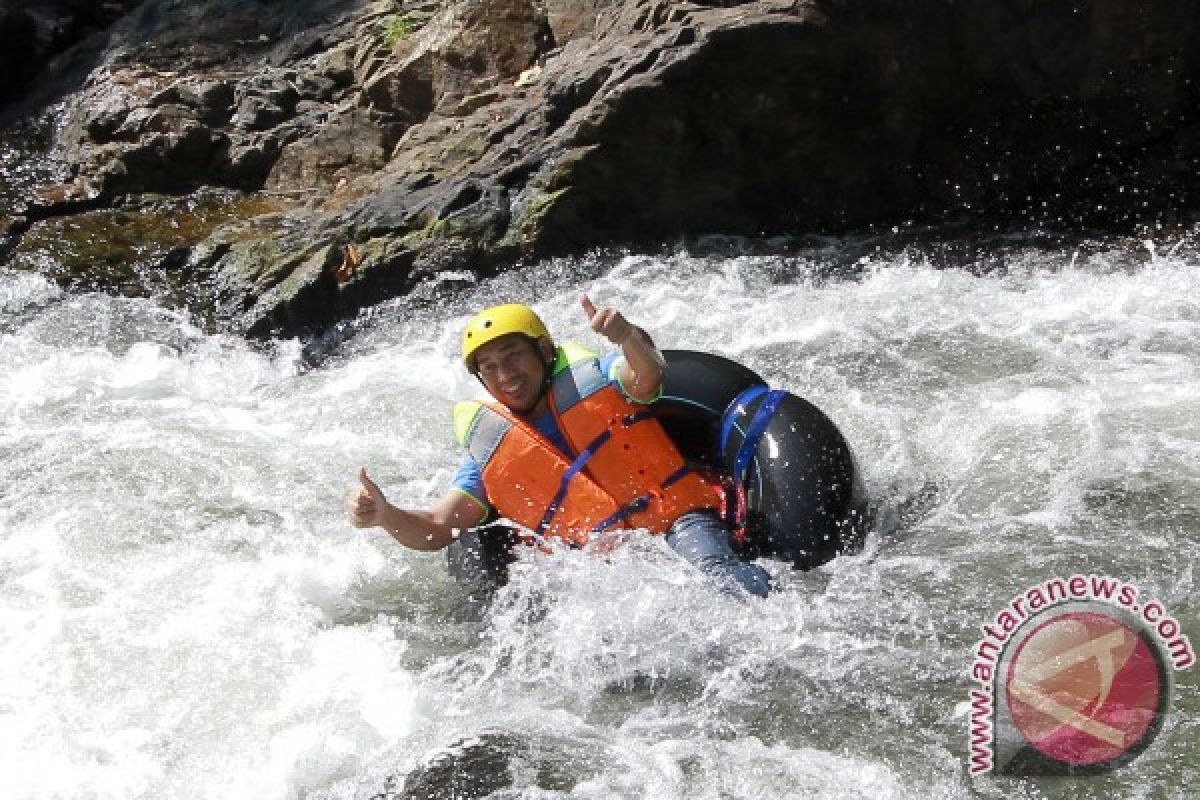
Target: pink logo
[[1073, 676], [1084, 688]]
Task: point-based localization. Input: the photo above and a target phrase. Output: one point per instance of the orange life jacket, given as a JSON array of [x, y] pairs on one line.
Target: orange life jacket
[[628, 472]]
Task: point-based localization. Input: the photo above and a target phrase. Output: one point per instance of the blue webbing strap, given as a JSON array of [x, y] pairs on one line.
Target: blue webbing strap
[[741, 401], [639, 504], [753, 433], [572, 471], [676, 476]]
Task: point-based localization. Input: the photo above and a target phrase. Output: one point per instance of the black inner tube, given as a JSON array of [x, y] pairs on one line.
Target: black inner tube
[[697, 390]]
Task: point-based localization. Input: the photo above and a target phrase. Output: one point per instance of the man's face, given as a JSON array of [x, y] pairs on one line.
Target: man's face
[[512, 370]]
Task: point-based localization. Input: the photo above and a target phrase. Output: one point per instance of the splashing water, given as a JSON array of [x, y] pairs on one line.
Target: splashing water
[[185, 612]]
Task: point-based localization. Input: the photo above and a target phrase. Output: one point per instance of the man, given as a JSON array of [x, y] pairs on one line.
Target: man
[[568, 449]]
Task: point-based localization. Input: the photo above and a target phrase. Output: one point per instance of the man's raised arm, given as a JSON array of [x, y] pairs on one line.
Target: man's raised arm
[[641, 374]]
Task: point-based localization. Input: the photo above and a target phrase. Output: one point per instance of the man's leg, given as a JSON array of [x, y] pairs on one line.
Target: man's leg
[[703, 540]]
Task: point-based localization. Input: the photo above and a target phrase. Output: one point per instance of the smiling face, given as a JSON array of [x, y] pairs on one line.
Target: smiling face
[[512, 370]]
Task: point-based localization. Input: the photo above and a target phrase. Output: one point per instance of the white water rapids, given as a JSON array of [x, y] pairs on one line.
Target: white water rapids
[[186, 613]]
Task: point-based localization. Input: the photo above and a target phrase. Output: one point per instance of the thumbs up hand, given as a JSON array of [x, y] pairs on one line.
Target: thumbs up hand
[[607, 321], [367, 504]]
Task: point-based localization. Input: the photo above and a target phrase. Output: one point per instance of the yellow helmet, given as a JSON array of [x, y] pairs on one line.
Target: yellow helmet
[[492, 323]]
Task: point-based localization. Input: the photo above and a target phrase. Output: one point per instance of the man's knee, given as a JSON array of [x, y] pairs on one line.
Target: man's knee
[[703, 540], [754, 579]]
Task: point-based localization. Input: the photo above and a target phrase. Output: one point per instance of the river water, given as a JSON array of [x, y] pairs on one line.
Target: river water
[[185, 612]]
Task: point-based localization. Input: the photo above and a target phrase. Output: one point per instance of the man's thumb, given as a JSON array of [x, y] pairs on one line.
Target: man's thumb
[[368, 484]]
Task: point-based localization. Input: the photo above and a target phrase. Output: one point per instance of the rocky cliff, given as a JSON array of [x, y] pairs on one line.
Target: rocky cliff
[[230, 151]]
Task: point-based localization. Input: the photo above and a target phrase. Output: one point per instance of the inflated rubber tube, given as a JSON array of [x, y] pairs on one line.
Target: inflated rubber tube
[[805, 500], [804, 497], [697, 389]]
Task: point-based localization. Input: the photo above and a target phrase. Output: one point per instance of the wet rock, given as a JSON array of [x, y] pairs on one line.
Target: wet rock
[[212, 101], [571, 19], [246, 165], [171, 118], [257, 113], [272, 275], [406, 87], [353, 144], [318, 89], [463, 136], [499, 763], [140, 248], [165, 162], [265, 104], [474, 768], [336, 65]]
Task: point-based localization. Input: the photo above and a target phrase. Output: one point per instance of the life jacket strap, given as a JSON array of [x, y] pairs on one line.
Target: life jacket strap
[[631, 508], [643, 502], [639, 504], [676, 476], [565, 482]]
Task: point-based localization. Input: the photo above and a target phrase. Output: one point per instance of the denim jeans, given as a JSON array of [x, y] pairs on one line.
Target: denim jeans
[[703, 541]]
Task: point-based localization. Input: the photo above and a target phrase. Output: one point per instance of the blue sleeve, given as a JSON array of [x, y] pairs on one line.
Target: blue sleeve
[[469, 481], [610, 363]]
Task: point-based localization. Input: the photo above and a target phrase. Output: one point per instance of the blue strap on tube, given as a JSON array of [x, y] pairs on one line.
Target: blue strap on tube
[[762, 417]]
